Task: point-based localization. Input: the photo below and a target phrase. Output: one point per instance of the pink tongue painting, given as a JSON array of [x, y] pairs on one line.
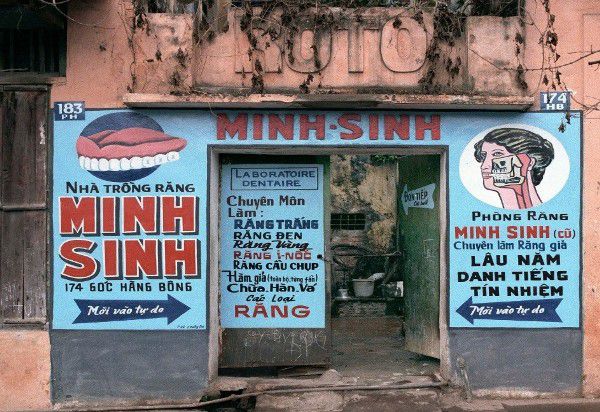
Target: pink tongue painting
[[128, 143]]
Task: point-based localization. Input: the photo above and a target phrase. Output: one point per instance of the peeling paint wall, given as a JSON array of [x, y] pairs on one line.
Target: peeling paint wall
[[107, 59], [360, 185], [161, 55], [24, 370], [99, 71]]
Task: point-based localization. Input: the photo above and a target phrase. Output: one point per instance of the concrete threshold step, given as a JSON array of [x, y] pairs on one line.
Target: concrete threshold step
[[413, 400], [329, 377], [333, 392]]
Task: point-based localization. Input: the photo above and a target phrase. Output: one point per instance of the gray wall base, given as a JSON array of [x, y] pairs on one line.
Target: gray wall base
[[534, 360], [89, 366]]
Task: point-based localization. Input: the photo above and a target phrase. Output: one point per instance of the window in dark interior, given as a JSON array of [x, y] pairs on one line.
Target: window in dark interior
[[348, 221]]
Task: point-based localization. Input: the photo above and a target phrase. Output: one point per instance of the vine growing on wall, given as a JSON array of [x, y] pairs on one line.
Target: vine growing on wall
[[550, 70], [279, 20], [266, 22], [284, 18]]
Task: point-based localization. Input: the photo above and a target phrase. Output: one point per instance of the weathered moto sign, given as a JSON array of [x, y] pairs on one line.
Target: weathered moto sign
[[381, 47], [129, 230], [402, 44]]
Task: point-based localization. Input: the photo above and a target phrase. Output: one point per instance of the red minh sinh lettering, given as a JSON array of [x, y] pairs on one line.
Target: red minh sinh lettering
[[138, 253], [343, 127], [152, 215]]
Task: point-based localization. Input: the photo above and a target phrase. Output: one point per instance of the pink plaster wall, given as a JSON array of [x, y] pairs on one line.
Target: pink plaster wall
[[579, 32], [102, 77], [577, 24], [24, 370], [105, 59], [590, 91]]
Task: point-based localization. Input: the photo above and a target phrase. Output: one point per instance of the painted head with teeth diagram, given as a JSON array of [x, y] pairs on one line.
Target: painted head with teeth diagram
[[122, 147], [513, 162]]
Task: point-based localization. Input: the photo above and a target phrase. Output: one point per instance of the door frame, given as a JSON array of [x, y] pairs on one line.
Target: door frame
[[213, 202], [319, 357]]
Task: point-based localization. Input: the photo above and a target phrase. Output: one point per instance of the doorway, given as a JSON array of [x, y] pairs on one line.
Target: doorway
[[385, 248], [274, 279], [383, 256]]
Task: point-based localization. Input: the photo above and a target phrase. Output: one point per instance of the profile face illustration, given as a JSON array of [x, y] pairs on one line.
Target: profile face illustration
[[513, 162], [122, 147]]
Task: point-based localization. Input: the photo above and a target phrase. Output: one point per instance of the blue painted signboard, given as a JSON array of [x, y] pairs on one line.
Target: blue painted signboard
[[272, 236], [127, 226], [130, 188]]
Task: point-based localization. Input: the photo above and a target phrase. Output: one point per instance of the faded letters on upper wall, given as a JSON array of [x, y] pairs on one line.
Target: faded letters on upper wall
[[130, 195]]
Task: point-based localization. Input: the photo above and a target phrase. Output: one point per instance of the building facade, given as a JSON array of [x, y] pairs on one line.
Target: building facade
[[166, 198]]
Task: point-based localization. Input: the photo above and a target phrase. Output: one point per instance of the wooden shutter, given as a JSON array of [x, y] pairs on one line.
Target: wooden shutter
[[23, 206]]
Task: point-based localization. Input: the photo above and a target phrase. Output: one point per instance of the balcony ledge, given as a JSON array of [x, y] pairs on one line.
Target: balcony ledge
[[356, 101]]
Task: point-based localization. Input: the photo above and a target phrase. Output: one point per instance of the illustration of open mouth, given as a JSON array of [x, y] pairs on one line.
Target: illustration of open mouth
[[127, 153]]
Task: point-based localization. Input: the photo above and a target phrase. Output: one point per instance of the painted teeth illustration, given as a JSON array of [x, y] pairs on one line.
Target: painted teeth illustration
[[126, 146], [116, 165]]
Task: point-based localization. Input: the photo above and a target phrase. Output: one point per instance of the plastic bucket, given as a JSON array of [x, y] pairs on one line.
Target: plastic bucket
[[363, 288]]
